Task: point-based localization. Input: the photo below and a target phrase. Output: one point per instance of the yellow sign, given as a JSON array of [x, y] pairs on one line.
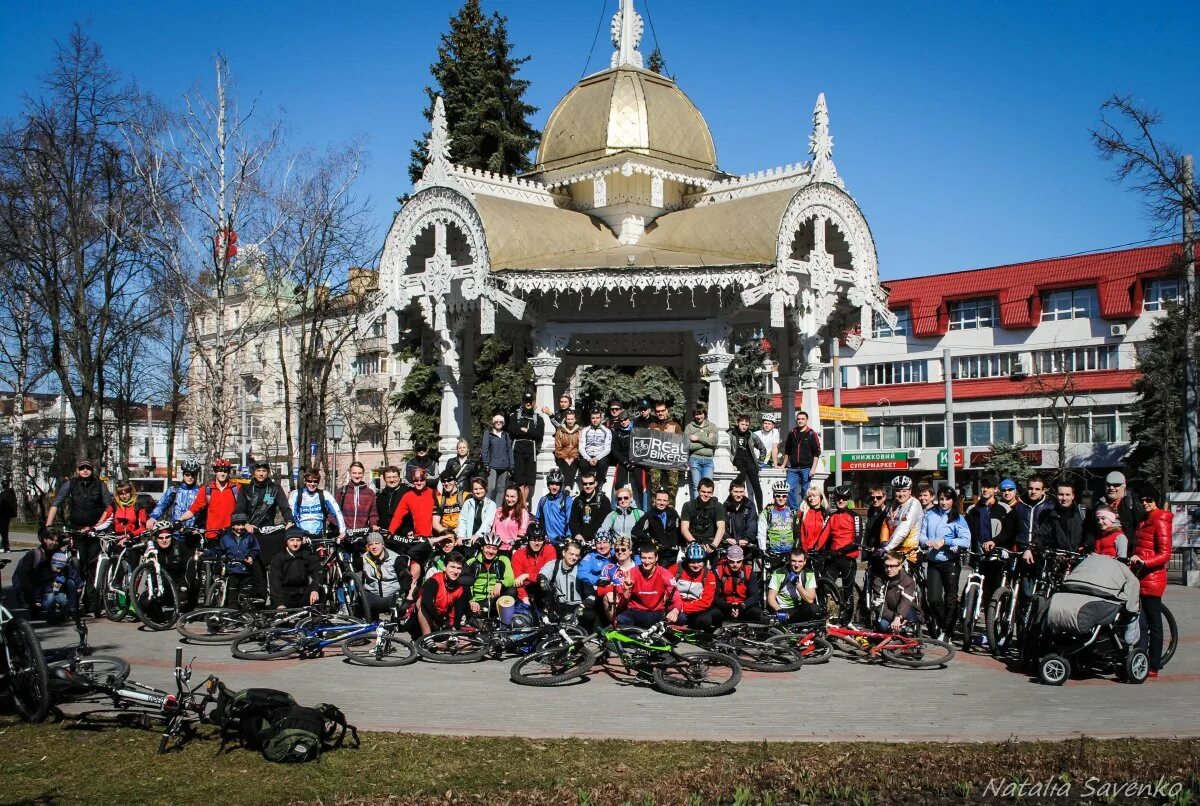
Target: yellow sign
[[843, 414]]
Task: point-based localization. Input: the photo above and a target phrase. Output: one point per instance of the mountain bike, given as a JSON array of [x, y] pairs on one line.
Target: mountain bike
[[341, 586], [649, 654], [113, 573], [754, 651], [90, 595], [373, 643], [806, 639], [488, 637], [972, 596], [220, 625], [893, 647], [836, 602], [23, 674], [154, 594], [1000, 618]]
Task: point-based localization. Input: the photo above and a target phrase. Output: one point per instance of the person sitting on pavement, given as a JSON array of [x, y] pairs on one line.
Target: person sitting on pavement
[[660, 526], [624, 516], [33, 573], [553, 510], [613, 576], [562, 593], [697, 586], [792, 590], [444, 597], [491, 576], [295, 573], [477, 514], [241, 551], [593, 565], [528, 560], [737, 588], [175, 558], [777, 524], [648, 595], [59, 598], [386, 577], [896, 594]]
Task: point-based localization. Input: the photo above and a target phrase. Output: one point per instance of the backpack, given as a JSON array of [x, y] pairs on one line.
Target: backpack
[[270, 721], [242, 715]]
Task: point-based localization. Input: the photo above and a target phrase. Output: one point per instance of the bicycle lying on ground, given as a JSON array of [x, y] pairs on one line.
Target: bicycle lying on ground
[[374, 643], [484, 637], [649, 654], [893, 647]]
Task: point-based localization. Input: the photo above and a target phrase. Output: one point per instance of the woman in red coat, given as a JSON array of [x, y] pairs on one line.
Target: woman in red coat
[[1151, 553]]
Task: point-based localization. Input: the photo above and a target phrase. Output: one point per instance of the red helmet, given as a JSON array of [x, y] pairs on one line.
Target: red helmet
[[222, 464]]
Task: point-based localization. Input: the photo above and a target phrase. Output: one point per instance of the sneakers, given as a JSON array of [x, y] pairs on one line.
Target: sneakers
[[1152, 676], [941, 636], [981, 641]]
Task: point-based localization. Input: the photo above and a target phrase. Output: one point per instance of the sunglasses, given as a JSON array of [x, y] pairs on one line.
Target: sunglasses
[[877, 498], [1113, 486], [624, 549], [1147, 499], [781, 495], [311, 481], [588, 483], [891, 567], [84, 467], [624, 498]]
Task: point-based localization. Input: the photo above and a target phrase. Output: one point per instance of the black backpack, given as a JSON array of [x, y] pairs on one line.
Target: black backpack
[[270, 721]]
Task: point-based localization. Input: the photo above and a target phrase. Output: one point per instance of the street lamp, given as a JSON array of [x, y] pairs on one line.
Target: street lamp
[[334, 429]]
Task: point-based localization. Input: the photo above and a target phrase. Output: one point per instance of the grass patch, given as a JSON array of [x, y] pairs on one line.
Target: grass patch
[[67, 763]]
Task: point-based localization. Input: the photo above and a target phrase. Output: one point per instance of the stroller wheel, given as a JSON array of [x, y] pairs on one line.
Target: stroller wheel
[[1053, 670], [1137, 666]]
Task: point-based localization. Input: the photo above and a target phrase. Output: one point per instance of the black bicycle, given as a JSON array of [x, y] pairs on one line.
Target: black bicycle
[[23, 673]]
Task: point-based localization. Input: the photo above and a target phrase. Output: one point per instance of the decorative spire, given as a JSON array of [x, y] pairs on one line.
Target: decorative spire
[[820, 145], [626, 36], [438, 168]]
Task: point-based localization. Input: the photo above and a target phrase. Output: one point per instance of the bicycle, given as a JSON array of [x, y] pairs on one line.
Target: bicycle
[[24, 672], [154, 594], [649, 654], [1000, 617], [341, 585], [753, 651], [806, 639], [90, 595], [915, 652], [972, 596], [220, 625], [1051, 565], [113, 573], [487, 636], [836, 602], [373, 643]]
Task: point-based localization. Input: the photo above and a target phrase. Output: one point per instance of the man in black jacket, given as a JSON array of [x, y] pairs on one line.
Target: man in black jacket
[[88, 501], [660, 526], [261, 501], [389, 495], [590, 508], [294, 573], [741, 517], [747, 453], [1061, 527], [526, 428], [628, 474], [1120, 500], [986, 520]]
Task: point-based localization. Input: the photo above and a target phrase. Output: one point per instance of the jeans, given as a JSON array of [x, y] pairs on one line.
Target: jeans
[[57, 605], [639, 618], [701, 467], [798, 483]]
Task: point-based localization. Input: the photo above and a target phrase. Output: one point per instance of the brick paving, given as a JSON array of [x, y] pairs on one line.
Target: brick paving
[[974, 699]]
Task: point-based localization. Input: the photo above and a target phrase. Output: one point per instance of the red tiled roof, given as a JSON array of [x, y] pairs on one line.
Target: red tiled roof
[[1117, 276], [1117, 380]]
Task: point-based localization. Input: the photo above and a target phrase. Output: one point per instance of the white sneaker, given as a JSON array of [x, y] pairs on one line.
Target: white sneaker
[[941, 636]]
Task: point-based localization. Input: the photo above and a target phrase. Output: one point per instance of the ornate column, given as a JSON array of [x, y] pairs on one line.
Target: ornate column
[[810, 382], [716, 358], [546, 361], [449, 373], [788, 383]]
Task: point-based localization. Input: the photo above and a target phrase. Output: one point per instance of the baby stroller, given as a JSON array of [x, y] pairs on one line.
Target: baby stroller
[[1092, 624]]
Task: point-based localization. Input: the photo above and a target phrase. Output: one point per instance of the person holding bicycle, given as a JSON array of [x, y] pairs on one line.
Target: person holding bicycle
[[737, 588], [444, 598], [903, 521], [792, 591], [944, 534], [777, 524], [295, 572], [218, 500], [175, 559], [648, 595], [88, 504], [177, 500], [128, 519], [896, 594], [386, 576], [563, 594], [491, 575], [241, 551]]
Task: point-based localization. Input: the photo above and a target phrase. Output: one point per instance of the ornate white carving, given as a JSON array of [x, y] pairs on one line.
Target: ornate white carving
[[439, 171], [508, 187], [714, 338], [716, 363], [629, 167], [550, 342], [656, 191], [626, 33], [820, 145], [599, 192], [786, 176], [618, 282]]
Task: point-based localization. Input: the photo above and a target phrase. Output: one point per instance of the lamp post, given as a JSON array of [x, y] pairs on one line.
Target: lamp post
[[949, 378], [334, 428]]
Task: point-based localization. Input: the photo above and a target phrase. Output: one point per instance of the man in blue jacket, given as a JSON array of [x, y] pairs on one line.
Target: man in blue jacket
[[554, 509]]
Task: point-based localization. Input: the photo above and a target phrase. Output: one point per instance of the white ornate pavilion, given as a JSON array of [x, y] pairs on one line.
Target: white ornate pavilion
[[627, 245]]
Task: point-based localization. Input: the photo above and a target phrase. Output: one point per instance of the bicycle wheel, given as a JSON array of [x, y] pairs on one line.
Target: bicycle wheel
[[215, 625], [1031, 631], [554, 666], [100, 670], [925, 653], [829, 598], [29, 679], [763, 656], [214, 594], [998, 623], [154, 596], [1170, 636], [968, 618], [453, 646], [698, 674], [390, 648], [115, 594], [266, 644], [813, 649]]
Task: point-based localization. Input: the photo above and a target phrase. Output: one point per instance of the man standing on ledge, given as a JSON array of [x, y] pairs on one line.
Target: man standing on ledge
[[802, 452]]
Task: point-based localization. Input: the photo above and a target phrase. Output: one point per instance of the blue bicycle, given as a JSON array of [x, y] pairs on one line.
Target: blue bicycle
[[369, 643]]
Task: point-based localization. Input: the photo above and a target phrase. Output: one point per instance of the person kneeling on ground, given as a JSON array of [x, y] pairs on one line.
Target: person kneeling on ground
[[174, 557], [737, 588], [491, 575], [648, 594], [697, 587], [443, 601], [897, 595], [561, 589], [386, 577], [792, 591], [33, 574], [295, 573]]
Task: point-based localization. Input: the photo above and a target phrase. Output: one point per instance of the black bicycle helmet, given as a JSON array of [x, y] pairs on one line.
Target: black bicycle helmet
[[191, 466], [555, 476], [842, 493], [535, 530]]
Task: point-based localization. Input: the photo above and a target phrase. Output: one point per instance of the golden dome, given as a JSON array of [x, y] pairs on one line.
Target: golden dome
[[626, 109]]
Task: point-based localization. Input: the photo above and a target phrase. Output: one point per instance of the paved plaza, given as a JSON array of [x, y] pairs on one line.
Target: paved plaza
[[974, 699]]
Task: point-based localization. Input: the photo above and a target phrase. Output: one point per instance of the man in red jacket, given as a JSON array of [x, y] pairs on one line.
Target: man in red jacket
[[219, 497], [697, 587], [1151, 553], [528, 560], [648, 595]]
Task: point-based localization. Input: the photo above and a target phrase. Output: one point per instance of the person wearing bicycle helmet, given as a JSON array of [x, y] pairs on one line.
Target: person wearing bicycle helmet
[[845, 536], [179, 497], [175, 557], [491, 575], [553, 510], [903, 520], [777, 524], [217, 500], [295, 572], [697, 587], [593, 565], [448, 507], [528, 560]]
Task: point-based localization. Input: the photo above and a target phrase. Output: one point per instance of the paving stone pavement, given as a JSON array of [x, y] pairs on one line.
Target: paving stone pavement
[[974, 699]]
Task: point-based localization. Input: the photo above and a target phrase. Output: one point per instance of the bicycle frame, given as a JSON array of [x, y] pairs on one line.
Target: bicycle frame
[[878, 641]]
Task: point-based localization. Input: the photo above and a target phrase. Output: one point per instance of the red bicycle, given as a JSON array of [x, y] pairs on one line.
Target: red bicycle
[[892, 647]]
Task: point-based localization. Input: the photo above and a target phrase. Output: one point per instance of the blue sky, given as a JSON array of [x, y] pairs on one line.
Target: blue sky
[[960, 127]]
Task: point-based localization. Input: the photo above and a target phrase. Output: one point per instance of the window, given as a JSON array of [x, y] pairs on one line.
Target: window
[[252, 388], [894, 372], [851, 438], [960, 431], [889, 436], [278, 391], [367, 364], [1002, 431], [935, 435], [1159, 291], [377, 328], [1104, 428], [1079, 359], [1027, 432], [980, 432], [1050, 432], [1077, 429], [903, 325], [911, 438], [870, 438], [1070, 303], [971, 314], [826, 380], [997, 365]]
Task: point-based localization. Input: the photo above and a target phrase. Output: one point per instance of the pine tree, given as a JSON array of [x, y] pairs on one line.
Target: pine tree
[[476, 75], [655, 62], [501, 380], [420, 398], [743, 380], [1008, 462], [1157, 411], [598, 385]]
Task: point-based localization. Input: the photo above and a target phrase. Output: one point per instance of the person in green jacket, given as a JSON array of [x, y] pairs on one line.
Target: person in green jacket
[[491, 575], [702, 442]]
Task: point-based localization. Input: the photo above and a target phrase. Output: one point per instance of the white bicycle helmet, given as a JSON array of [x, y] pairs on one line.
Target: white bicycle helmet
[[780, 487], [901, 483], [491, 539]]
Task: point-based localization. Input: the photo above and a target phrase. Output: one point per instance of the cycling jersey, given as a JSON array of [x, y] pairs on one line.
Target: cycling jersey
[[485, 577], [175, 503], [653, 592], [419, 505], [526, 562], [777, 529], [554, 513], [591, 566], [812, 530], [904, 526], [218, 504], [697, 592], [307, 512], [448, 508], [787, 585]]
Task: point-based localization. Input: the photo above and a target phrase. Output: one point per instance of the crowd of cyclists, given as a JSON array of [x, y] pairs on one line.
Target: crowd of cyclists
[[440, 548]]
